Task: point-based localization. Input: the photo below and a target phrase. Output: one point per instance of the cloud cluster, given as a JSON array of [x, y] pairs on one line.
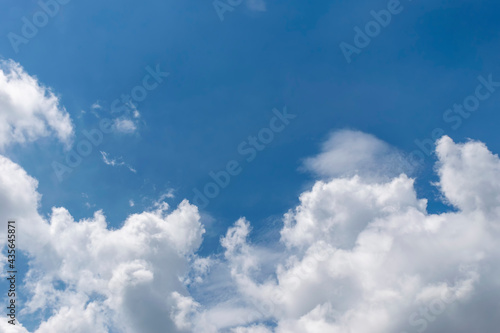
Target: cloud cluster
[[92, 278], [29, 109], [367, 257]]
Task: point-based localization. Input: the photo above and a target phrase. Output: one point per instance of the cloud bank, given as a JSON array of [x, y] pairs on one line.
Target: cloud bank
[[355, 255]]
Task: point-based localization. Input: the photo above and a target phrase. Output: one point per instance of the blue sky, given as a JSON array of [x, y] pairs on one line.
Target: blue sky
[[225, 79]]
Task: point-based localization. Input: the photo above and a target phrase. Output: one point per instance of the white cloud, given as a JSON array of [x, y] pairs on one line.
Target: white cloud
[[469, 175], [94, 109], [29, 109], [19, 201], [251, 329], [124, 125], [89, 205], [96, 106], [349, 153], [6, 327], [115, 162], [169, 194]]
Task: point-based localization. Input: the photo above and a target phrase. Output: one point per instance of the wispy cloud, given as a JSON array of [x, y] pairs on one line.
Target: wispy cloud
[[96, 105], [94, 108], [124, 125], [115, 162], [169, 194], [89, 205]]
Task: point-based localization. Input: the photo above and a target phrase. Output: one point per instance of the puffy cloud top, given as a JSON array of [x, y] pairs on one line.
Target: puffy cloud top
[[349, 153], [363, 256], [93, 278], [29, 109]]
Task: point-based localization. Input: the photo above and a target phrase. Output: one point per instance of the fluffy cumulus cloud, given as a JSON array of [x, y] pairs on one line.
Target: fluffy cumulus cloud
[[93, 279], [355, 255], [29, 109], [349, 153], [365, 256]]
